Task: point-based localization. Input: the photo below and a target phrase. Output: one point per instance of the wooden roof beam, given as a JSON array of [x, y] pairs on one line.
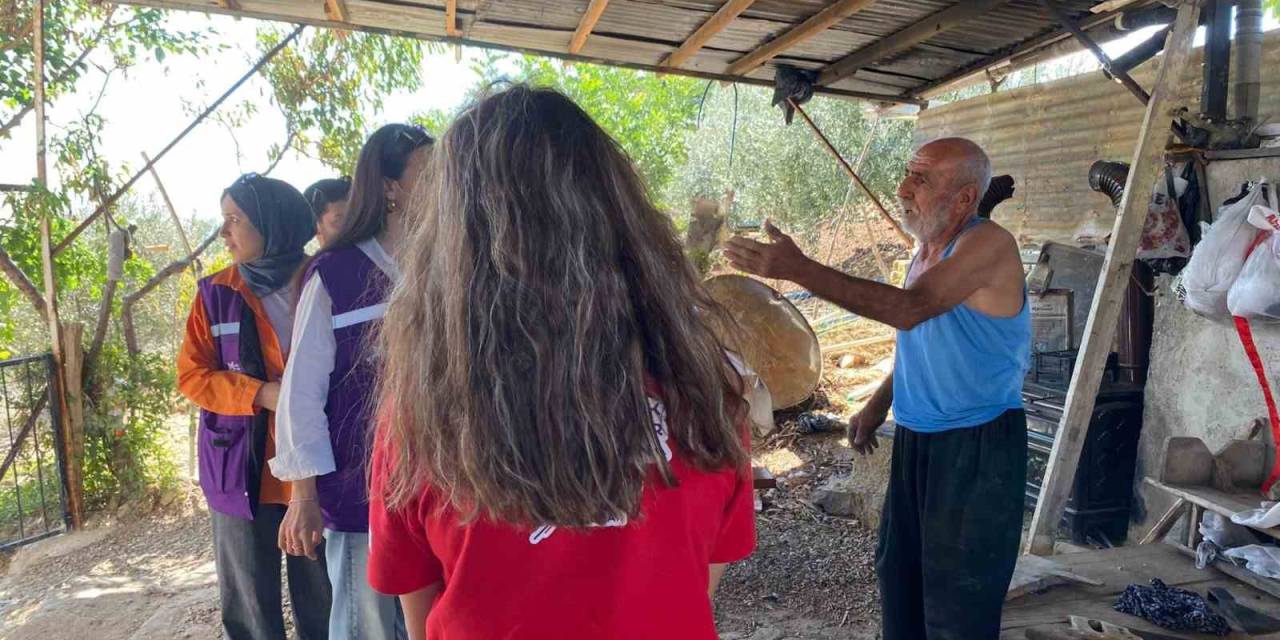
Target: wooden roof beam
[[728, 12], [451, 19], [231, 5], [588, 22], [818, 23], [906, 38], [336, 10]]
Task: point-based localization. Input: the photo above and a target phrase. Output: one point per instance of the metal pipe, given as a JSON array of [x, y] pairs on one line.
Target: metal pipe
[[1248, 84], [1217, 61]]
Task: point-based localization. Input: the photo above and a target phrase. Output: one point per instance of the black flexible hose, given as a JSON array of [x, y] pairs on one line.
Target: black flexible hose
[[1108, 178]]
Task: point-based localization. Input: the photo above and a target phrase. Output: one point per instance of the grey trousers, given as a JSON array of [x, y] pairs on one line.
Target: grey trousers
[[247, 558]]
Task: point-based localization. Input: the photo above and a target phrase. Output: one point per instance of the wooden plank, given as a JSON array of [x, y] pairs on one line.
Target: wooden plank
[[1148, 161], [73, 370], [906, 38], [1034, 573], [1193, 525], [1242, 154], [715, 24], [1162, 526], [451, 19], [588, 22], [1216, 501], [233, 5], [820, 22], [336, 10]]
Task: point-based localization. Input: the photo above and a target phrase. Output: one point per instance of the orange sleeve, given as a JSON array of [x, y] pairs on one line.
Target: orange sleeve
[[199, 377]]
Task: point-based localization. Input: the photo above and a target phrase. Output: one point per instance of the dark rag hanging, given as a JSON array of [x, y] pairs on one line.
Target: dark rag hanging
[[283, 217], [793, 83], [1172, 608]]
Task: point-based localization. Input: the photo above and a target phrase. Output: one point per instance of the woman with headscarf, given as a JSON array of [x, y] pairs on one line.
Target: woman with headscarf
[[326, 395], [230, 365]]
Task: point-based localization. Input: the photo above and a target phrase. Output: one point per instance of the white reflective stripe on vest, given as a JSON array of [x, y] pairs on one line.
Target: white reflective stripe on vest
[[225, 329], [356, 316]]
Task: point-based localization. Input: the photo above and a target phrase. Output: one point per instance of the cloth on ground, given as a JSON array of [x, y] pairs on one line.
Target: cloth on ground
[[1171, 608]]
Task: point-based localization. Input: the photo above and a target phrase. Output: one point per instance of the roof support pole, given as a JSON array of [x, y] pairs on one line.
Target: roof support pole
[[1119, 74], [1148, 162], [897, 228]]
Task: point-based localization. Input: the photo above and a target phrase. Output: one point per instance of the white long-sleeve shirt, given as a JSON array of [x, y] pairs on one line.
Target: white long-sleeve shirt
[[302, 428]]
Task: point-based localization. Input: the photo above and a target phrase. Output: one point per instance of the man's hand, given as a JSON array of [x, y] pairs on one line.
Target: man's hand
[[268, 396], [862, 429], [781, 259], [302, 529]]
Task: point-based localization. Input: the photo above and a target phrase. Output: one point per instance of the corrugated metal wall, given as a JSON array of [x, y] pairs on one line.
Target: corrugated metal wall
[[1047, 135]]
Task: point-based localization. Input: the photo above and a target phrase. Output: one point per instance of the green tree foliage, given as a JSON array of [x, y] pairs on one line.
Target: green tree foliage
[[647, 114], [783, 172], [329, 83]]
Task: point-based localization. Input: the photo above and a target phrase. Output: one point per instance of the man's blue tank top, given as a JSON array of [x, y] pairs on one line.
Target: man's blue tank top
[[960, 369]]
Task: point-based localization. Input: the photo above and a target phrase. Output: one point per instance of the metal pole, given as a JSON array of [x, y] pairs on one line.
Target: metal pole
[[1119, 74]]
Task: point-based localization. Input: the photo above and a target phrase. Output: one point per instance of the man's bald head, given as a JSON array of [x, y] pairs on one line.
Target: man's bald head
[[967, 162], [946, 179]]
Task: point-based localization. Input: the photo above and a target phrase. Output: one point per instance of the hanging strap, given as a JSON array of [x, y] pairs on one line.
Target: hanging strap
[[1251, 351]]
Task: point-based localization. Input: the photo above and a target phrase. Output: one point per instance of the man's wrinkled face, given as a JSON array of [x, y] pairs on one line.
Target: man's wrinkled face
[[927, 192]]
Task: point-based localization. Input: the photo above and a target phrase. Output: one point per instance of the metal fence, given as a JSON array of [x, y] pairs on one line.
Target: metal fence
[[33, 502]]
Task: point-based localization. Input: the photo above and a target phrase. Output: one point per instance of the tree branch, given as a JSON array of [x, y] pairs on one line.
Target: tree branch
[[62, 75], [177, 266], [20, 280], [84, 224], [288, 142]]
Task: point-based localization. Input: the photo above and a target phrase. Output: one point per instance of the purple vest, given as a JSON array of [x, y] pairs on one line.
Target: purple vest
[[358, 289], [232, 449]]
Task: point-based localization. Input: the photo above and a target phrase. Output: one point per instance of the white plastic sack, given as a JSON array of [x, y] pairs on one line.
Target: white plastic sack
[[1222, 532], [1263, 560], [1219, 257], [1256, 292], [1263, 518]]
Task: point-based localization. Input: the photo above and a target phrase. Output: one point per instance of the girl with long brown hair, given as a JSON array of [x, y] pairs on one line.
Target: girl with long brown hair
[[326, 396], [560, 452]]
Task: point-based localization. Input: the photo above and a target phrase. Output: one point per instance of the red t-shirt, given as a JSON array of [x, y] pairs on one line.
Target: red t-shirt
[[643, 579]]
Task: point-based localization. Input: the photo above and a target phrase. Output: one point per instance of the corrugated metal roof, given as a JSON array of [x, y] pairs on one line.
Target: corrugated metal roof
[[1046, 136], [641, 33]]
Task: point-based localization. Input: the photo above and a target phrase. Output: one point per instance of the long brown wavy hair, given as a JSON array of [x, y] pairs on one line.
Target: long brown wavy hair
[[541, 292]]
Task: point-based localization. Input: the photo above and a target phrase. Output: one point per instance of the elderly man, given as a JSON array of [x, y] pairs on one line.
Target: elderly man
[[953, 512]]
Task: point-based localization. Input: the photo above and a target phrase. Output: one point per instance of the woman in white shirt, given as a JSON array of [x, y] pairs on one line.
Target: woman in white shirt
[[326, 394]]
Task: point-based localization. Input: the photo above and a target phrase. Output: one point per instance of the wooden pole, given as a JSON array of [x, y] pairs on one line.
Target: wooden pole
[[729, 11], [73, 373], [66, 439], [897, 228], [1148, 161], [164, 195]]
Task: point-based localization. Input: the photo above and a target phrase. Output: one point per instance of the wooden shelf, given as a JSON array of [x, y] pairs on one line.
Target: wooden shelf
[[1216, 501]]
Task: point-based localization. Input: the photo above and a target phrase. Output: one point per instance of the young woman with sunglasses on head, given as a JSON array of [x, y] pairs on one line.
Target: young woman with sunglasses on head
[[328, 200], [560, 451], [230, 365], [326, 394]]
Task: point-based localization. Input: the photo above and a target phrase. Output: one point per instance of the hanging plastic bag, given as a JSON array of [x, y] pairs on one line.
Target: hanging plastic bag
[[1256, 292], [1163, 234], [1220, 256]]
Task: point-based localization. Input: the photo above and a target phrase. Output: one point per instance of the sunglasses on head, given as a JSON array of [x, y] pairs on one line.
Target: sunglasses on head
[[247, 180], [416, 134]]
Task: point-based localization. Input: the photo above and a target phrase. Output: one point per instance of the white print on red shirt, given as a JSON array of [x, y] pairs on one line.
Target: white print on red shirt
[[658, 413]]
